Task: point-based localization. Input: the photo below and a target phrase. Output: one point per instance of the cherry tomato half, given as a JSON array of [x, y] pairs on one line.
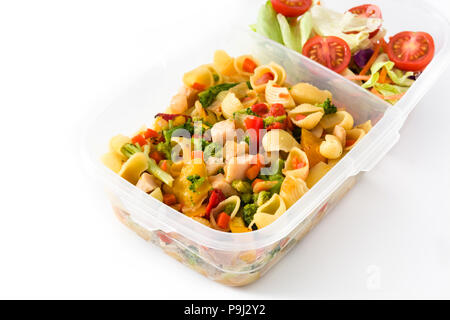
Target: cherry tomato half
[[368, 11], [291, 8], [332, 52], [411, 51]]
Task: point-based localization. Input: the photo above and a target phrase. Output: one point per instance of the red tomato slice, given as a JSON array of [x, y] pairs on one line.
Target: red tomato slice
[[332, 52], [291, 8], [368, 11], [411, 51]]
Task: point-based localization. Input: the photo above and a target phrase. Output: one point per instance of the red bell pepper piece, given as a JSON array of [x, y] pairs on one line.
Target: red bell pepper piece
[[139, 139], [215, 198]]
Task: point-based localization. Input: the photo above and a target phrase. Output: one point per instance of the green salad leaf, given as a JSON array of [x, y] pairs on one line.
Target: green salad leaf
[[306, 27], [267, 23], [290, 33]]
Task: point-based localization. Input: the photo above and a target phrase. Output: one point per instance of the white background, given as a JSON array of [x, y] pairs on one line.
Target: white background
[[388, 238]]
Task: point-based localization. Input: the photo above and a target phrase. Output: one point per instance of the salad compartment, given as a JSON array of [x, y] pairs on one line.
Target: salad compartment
[[239, 259]]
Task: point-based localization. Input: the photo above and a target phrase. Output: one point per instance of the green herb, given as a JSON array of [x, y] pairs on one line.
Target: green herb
[[208, 96], [196, 181], [328, 107], [249, 85], [216, 77]]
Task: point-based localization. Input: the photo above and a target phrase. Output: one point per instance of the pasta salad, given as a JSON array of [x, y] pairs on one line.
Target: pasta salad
[[238, 145]]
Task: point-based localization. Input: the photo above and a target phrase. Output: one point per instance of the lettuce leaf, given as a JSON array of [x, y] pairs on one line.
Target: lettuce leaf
[[306, 27], [390, 90], [290, 33], [327, 22], [267, 23], [401, 78], [397, 76]]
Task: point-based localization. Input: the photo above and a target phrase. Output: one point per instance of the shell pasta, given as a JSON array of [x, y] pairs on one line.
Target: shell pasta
[[238, 146]]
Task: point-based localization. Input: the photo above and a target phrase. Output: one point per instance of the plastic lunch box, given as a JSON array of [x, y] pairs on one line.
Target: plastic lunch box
[[239, 259]]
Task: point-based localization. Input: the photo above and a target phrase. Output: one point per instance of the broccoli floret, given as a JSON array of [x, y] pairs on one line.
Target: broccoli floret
[[247, 111], [263, 197], [247, 198], [128, 149], [242, 186], [229, 208], [328, 107], [249, 212], [165, 149], [213, 150], [271, 120]]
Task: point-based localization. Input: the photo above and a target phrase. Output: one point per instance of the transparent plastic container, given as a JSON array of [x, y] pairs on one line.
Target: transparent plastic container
[[239, 259]]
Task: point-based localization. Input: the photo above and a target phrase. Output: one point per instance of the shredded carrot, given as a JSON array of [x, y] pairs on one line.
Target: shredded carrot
[[384, 45], [383, 75], [375, 92], [372, 59], [357, 77]]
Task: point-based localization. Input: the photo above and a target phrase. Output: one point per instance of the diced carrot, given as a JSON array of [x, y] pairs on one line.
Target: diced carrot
[[139, 139], [249, 65], [253, 171], [164, 165], [198, 86], [169, 199], [256, 181], [298, 164], [372, 59], [155, 155], [223, 220]]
